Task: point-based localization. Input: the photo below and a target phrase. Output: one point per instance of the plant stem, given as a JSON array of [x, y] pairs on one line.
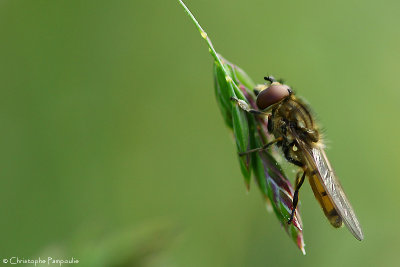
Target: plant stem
[[211, 49]]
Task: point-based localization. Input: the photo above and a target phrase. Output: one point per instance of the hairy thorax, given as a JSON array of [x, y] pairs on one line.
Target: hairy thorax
[[291, 115]]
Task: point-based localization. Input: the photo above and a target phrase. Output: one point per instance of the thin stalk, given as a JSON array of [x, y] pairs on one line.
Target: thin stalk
[[211, 48]]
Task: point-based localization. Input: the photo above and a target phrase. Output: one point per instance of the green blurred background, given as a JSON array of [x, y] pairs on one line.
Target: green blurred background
[[109, 126]]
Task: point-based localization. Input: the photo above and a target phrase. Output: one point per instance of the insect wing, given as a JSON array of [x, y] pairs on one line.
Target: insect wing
[[318, 161]]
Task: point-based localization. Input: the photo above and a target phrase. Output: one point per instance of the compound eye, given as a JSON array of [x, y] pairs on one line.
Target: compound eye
[[272, 95]]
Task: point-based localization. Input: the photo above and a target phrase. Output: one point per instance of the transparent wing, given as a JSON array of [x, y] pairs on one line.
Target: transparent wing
[[318, 161]]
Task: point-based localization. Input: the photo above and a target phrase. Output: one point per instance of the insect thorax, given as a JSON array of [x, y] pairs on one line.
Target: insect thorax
[[293, 115]]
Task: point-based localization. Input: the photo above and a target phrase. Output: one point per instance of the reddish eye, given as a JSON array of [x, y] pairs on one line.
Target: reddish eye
[[272, 95]]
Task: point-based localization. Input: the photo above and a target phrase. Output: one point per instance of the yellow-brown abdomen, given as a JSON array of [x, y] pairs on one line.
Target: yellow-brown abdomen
[[325, 202]]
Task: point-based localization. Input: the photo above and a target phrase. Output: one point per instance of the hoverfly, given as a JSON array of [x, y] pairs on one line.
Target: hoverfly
[[296, 133]]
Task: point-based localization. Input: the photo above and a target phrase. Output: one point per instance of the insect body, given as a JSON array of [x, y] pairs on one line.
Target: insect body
[[295, 131]]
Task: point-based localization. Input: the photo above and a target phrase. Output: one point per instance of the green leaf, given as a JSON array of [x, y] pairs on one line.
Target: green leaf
[[225, 90], [222, 96], [240, 128], [257, 164], [241, 133], [240, 76], [234, 117]]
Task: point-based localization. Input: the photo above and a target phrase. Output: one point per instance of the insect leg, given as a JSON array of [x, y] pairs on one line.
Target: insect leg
[[299, 183], [243, 105], [261, 148]]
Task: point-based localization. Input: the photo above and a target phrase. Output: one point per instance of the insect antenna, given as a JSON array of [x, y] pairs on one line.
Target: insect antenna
[[271, 79]]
